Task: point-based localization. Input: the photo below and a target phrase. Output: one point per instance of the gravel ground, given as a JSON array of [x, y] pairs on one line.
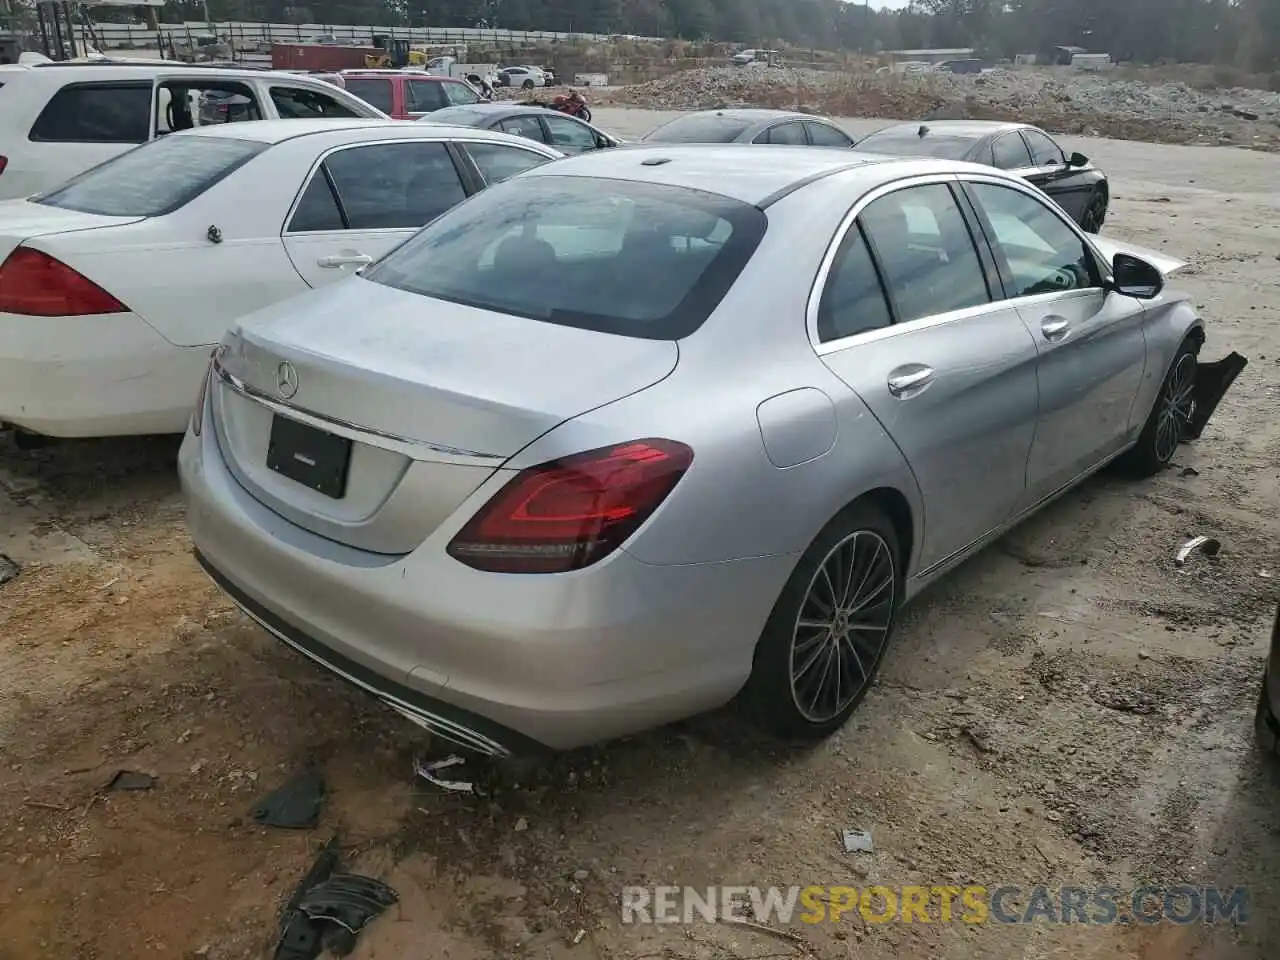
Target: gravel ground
[[1063, 101], [1066, 708]]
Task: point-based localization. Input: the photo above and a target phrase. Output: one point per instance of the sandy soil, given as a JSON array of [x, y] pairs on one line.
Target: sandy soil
[[1068, 707]]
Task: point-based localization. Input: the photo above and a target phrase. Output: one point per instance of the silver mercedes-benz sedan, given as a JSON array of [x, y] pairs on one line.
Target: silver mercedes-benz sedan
[[635, 432]]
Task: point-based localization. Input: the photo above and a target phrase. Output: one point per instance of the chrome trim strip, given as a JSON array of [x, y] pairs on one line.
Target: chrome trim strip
[[452, 731], [414, 449]]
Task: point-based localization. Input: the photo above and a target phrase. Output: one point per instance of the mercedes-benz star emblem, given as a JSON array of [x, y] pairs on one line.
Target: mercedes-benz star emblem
[[286, 380]]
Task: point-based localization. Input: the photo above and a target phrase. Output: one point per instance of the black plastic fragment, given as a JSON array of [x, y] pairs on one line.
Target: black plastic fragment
[[1213, 380], [131, 780], [348, 900], [300, 938], [9, 569], [295, 805]]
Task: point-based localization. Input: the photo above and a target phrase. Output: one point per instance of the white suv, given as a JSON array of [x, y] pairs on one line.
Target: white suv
[[60, 119]]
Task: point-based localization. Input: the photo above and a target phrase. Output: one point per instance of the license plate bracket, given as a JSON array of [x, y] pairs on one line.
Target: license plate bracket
[[309, 456]]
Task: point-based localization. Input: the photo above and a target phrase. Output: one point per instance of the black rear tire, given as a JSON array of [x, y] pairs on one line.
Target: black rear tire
[[1095, 212], [820, 624], [585, 114], [527, 85], [1166, 424]]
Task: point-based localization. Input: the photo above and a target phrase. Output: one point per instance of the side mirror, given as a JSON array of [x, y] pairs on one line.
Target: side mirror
[[603, 142], [1134, 277], [1078, 160]]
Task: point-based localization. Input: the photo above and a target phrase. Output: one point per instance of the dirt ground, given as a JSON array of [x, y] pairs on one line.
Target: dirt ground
[[1067, 708]]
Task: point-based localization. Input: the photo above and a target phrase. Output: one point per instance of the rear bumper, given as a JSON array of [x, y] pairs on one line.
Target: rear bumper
[[95, 376], [498, 663]]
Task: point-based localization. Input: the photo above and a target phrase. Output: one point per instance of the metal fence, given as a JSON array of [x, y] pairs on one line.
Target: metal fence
[[248, 32]]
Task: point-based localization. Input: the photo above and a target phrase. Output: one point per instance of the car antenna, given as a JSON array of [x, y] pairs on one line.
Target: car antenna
[[922, 131]]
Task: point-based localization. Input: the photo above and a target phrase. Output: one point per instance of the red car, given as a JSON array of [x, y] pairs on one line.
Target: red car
[[404, 95]]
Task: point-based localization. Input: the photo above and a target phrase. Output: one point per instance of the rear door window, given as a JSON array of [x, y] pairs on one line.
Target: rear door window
[[394, 186], [155, 178], [303, 103], [823, 135], [784, 133], [317, 210], [584, 252], [924, 247], [376, 92], [500, 161], [183, 104], [852, 301], [425, 96], [96, 113]]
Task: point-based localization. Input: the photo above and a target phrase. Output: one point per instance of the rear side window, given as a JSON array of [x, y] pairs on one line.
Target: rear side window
[[527, 127], [584, 252], [700, 128], [96, 113], [394, 186], [853, 300], [155, 178], [923, 244], [1044, 152], [785, 133], [376, 93], [499, 161]]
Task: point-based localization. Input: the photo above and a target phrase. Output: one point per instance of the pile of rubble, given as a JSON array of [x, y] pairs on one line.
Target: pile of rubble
[[1059, 100]]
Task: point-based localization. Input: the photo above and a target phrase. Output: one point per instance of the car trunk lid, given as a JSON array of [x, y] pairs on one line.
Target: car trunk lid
[[432, 397], [22, 220]]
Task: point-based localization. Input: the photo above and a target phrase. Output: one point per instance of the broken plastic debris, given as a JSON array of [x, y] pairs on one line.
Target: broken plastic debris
[[299, 936], [1206, 545], [858, 841], [348, 900], [131, 780], [1211, 384], [295, 805], [429, 771], [9, 569]]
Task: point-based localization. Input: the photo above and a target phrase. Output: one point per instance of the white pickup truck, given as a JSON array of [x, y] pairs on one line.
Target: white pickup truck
[[473, 72]]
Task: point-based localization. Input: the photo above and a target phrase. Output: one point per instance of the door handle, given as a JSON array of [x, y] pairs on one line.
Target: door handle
[[1055, 328], [345, 260], [901, 384]]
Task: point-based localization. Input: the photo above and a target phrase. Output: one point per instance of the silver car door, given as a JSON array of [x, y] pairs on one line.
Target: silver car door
[[1091, 343], [364, 200], [905, 317]]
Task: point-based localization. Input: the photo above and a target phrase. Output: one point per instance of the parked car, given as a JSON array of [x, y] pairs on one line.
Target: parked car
[[500, 479], [567, 134], [965, 65], [1268, 716], [408, 95], [1072, 180], [525, 77], [115, 286], [63, 118], [750, 125]]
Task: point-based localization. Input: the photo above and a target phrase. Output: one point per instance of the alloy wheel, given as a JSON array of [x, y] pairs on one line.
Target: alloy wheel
[[843, 625], [1177, 404]]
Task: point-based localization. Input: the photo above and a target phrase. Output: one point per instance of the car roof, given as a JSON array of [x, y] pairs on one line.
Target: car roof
[[752, 114], [107, 65], [736, 170], [503, 109], [975, 129], [374, 74]]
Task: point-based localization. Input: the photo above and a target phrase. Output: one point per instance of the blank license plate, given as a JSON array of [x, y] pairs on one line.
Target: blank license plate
[[309, 456]]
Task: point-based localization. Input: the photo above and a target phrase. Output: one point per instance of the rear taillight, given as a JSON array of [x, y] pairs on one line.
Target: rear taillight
[[35, 284], [4, 162], [571, 513]]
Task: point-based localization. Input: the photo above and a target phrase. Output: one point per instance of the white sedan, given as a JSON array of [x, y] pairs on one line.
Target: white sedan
[[115, 286]]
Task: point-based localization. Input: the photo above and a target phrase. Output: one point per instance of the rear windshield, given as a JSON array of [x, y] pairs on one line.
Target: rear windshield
[[700, 128], [909, 143], [155, 178], [636, 259]]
